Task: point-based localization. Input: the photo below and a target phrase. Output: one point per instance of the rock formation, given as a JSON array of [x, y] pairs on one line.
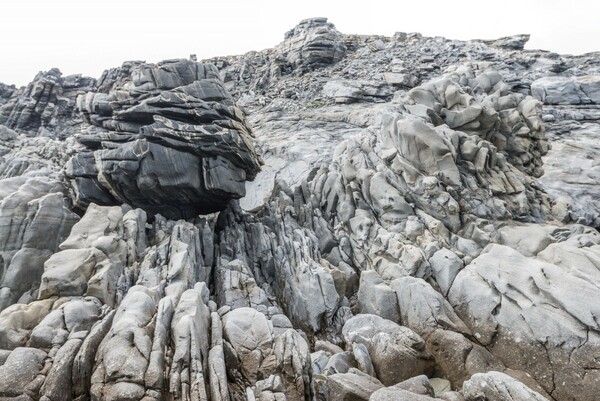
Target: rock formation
[[171, 141], [341, 217]]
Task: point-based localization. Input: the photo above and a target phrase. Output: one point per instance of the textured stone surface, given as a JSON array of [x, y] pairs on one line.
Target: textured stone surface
[[495, 386], [47, 102], [411, 233], [563, 90], [167, 138]]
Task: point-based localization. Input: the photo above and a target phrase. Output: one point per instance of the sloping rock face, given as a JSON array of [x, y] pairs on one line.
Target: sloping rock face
[[170, 140], [397, 243]]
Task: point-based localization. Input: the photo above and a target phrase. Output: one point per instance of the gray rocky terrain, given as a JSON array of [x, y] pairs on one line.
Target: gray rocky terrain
[[340, 217]]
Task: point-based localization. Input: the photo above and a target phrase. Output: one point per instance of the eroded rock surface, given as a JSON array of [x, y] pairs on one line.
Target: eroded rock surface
[[168, 138], [421, 225]]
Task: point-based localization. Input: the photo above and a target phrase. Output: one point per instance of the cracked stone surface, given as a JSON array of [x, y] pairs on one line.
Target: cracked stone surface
[[341, 217]]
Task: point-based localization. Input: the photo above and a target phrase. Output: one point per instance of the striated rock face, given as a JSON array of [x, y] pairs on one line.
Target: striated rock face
[[421, 225], [567, 90], [167, 138], [313, 43], [47, 102]]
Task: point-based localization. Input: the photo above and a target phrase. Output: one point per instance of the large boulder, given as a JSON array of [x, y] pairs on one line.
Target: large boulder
[[166, 137], [313, 43], [397, 352], [496, 386], [351, 386], [534, 314]]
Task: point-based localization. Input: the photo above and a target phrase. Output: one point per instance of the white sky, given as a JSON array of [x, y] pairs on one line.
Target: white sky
[[88, 36]]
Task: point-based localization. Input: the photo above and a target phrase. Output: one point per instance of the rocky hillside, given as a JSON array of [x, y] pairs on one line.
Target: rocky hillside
[[341, 217]]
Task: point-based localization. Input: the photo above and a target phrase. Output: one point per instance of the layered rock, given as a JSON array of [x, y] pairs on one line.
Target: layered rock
[[567, 90], [47, 102], [169, 140], [313, 43]]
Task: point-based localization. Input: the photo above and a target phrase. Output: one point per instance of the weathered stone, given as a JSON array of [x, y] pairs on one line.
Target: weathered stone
[[163, 154], [388, 344], [496, 386]]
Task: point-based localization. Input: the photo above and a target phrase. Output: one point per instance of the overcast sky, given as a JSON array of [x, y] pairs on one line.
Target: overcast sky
[[88, 36]]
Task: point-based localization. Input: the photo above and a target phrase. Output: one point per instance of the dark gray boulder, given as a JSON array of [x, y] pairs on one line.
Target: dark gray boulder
[[167, 138]]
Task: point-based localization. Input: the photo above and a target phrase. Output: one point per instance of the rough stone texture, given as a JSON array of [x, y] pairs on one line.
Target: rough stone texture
[[571, 175], [515, 42], [313, 43], [392, 393], [528, 317], [34, 219], [397, 352], [398, 242], [168, 138], [354, 385], [567, 90], [496, 386]]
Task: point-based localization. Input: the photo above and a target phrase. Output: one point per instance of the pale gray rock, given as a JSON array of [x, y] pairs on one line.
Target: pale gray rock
[[22, 274], [350, 91], [340, 363], [567, 90], [312, 43], [377, 298], [319, 360], [34, 220], [248, 334], [190, 328], [417, 385], [19, 371], [401, 178], [515, 42], [217, 373], [362, 358], [458, 358], [423, 309], [440, 386], [571, 174], [292, 356], [353, 385], [445, 265], [83, 363], [236, 286], [528, 240], [58, 383], [394, 393], [7, 134], [399, 79], [397, 353], [76, 315], [18, 320], [328, 347], [496, 386], [527, 321], [123, 355], [68, 272]]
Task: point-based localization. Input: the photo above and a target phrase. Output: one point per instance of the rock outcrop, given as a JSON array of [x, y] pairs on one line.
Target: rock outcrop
[[170, 140], [339, 217], [48, 102]]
